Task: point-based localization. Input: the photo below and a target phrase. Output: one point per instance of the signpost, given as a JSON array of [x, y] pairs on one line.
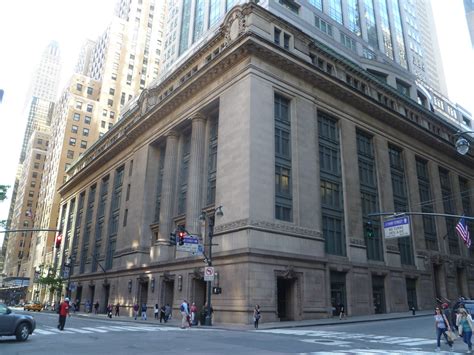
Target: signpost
[[209, 273], [397, 227], [191, 245]]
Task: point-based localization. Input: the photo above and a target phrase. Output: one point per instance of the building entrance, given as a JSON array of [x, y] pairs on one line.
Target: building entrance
[[286, 298], [143, 292], [338, 291], [411, 293], [378, 292], [167, 292], [198, 293], [106, 297]]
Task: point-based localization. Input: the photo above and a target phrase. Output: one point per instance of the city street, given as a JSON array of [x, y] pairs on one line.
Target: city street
[[84, 335]]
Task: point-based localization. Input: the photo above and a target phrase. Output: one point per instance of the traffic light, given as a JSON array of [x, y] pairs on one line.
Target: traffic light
[[172, 238], [181, 234], [369, 230], [59, 238]]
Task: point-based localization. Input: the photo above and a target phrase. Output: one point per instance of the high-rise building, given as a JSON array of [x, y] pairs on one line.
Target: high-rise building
[[109, 73], [42, 93], [469, 8], [300, 146], [39, 109]]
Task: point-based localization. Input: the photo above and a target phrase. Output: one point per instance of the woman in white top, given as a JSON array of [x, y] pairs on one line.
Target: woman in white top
[[441, 325]]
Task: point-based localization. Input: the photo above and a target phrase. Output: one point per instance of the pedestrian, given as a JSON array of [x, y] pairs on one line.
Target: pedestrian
[[88, 306], [342, 310], [135, 310], [78, 304], [163, 314], [144, 311], [167, 312], [465, 327], [256, 316], [441, 325], [194, 311], [448, 315], [156, 310], [117, 309], [188, 317], [63, 313], [109, 310], [96, 307], [184, 314]]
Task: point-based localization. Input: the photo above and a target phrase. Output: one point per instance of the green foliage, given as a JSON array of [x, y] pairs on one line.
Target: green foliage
[[51, 280], [3, 192]]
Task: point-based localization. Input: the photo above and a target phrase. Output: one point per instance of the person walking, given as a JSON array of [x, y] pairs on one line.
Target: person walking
[[96, 307], [156, 310], [144, 311], [342, 311], [184, 314], [109, 310], [163, 314], [63, 313], [256, 316], [194, 311], [441, 325], [135, 310], [465, 327], [167, 312], [117, 310]]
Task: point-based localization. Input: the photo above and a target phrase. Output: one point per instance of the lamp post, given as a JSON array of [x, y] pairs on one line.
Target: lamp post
[[209, 218], [462, 143], [67, 274]]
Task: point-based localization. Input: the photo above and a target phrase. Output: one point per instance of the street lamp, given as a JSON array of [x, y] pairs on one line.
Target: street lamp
[[209, 217], [67, 274], [462, 143]]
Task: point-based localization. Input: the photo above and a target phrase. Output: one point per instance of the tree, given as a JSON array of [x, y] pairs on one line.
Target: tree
[[51, 280], [3, 192]]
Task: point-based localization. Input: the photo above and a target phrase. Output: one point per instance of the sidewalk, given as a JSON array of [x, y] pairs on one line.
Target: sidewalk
[[176, 322]]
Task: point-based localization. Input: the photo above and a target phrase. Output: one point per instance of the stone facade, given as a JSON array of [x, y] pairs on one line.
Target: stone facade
[[159, 161]]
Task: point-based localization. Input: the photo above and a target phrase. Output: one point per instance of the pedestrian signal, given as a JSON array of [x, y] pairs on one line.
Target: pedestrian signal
[[369, 230]]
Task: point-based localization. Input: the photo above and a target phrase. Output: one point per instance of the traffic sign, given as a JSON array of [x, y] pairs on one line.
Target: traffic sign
[[191, 245], [209, 273], [397, 227]]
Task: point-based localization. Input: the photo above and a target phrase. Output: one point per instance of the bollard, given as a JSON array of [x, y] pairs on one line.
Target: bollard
[[413, 311]]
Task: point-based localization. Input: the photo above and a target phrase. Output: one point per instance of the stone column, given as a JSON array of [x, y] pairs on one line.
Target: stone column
[[356, 247], [161, 251], [418, 236], [195, 177]]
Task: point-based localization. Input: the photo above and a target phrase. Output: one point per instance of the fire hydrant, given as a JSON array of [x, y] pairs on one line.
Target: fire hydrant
[[413, 311]]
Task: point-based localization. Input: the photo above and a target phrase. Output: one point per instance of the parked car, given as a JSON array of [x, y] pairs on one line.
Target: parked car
[[33, 306], [19, 325]]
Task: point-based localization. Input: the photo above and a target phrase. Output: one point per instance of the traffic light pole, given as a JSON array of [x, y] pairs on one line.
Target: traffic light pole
[[208, 320]]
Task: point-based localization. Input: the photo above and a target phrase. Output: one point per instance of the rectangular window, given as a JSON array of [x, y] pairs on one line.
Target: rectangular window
[[72, 141], [76, 117], [70, 154], [90, 107], [323, 26], [87, 119], [89, 90], [291, 5], [331, 187], [78, 105], [426, 202], [104, 112], [286, 41], [102, 124], [110, 102], [369, 194], [85, 132], [83, 144], [283, 182], [276, 36], [400, 199], [38, 156], [348, 42], [111, 91], [79, 87], [74, 129], [112, 114]]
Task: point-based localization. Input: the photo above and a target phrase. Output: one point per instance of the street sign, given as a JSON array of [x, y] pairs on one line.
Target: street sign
[[397, 227], [208, 273], [191, 245]]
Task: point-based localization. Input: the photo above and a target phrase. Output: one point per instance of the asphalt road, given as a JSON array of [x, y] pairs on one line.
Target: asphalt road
[[103, 336]]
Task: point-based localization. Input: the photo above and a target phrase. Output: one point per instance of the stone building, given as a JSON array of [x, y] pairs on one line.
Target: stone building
[[298, 145]]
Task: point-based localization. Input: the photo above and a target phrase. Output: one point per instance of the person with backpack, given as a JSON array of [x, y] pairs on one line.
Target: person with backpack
[[184, 314]]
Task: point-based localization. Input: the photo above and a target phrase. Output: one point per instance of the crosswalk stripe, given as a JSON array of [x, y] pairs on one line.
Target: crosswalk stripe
[[41, 331], [109, 329], [422, 342], [98, 330], [78, 330], [132, 329]]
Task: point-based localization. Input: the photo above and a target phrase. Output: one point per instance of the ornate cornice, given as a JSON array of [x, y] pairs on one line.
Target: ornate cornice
[[278, 228]]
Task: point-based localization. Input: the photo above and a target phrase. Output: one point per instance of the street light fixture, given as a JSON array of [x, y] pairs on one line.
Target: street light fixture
[[209, 218], [462, 143]]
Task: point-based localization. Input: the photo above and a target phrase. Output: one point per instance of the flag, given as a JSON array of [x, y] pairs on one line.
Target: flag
[[463, 232]]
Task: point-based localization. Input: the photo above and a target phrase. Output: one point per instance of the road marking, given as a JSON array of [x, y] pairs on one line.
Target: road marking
[[78, 330], [42, 331], [376, 351], [98, 329]]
